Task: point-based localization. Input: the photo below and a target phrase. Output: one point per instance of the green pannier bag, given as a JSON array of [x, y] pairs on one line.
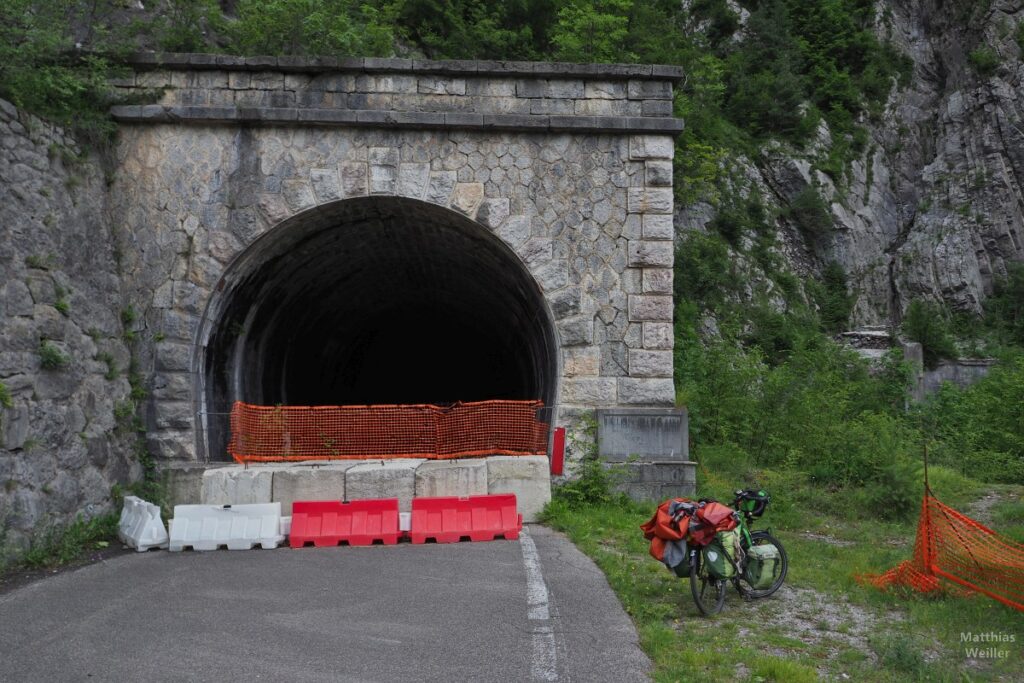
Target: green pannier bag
[[718, 553], [762, 561]]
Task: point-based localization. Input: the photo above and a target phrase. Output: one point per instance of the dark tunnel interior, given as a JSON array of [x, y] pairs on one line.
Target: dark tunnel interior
[[377, 301]]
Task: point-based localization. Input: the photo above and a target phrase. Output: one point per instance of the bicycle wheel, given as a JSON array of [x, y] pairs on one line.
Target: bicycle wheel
[[765, 538], [708, 592]]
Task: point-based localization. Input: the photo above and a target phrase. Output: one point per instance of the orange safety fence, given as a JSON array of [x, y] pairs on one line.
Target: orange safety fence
[[280, 433], [953, 547]]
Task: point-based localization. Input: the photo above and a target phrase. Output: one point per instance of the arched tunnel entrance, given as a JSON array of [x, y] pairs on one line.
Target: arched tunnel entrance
[[374, 300]]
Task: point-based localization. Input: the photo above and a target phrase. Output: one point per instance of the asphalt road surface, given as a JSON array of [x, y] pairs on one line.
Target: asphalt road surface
[[536, 609]]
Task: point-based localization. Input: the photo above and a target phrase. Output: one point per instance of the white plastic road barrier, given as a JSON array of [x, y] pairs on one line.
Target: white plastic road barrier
[[404, 521], [140, 526], [237, 527], [286, 526]]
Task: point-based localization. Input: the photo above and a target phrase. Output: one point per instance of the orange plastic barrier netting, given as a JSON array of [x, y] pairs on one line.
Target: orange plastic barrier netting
[[954, 547], [276, 433]]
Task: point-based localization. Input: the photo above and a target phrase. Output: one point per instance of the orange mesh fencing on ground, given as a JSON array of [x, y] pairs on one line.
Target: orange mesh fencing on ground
[[279, 433], [956, 548]]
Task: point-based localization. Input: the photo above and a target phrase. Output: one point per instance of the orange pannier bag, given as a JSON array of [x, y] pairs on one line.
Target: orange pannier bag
[[712, 517], [661, 528]]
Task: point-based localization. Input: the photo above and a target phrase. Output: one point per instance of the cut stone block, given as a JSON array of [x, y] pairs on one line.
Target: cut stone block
[[325, 482], [184, 481], [527, 476], [464, 477], [237, 486], [383, 479], [648, 481]]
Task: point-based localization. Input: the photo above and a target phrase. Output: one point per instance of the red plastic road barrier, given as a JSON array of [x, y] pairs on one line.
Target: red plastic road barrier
[[326, 523], [478, 518], [558, 451]]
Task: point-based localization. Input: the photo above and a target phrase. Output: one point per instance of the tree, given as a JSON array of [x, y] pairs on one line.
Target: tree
[[593, 31], [924, 323], [338, 28]]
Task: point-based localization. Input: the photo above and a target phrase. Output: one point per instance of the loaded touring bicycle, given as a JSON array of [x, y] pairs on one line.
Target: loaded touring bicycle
[[713, 545]]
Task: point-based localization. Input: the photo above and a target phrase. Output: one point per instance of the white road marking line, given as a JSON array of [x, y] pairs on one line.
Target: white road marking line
[[536, 589], [544, 664]]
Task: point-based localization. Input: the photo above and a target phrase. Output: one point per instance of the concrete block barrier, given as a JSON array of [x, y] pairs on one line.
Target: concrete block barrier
[[235, 527], [140, 526], [527, 476]]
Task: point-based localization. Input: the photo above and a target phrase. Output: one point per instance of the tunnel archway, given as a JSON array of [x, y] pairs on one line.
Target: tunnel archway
[[373, 300]]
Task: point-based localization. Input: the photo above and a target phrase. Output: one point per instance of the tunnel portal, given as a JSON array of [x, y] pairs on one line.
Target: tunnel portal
[[376, 300]]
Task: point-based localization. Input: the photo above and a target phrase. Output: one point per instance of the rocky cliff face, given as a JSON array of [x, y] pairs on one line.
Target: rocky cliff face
[[63, 358], [934, 208]]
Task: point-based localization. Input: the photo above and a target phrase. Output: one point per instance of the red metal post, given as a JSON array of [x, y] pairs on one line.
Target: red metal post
[[558, 451]]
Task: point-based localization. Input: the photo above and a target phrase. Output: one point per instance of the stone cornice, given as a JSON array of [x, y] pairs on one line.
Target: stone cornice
[[509, 69]]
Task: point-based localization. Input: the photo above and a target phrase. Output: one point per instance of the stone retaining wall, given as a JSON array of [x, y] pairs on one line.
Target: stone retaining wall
[[63, 359]]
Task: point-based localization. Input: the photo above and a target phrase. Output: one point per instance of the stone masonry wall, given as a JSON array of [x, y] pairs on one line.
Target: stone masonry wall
[[570, 165], [60, 450], [588, 215]]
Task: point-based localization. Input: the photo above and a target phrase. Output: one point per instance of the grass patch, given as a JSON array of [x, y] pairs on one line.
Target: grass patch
[[823, 624], [60, 545]]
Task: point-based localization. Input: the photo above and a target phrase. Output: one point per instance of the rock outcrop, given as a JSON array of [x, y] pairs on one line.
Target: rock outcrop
[[933, 210]]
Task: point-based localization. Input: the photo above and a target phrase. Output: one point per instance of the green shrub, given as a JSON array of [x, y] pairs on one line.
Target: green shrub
[[312, 27], [50, 357], [593, 31], [985, 60], [1004, 310], [592, 480], [732, 221], [834, 303], [704, 270], [925, 323], [5, 397], [46, 73], [978, 430], [188, 25], [810, 212]]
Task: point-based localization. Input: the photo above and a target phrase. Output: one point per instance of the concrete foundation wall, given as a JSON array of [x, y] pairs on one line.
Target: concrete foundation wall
[[525, 476]]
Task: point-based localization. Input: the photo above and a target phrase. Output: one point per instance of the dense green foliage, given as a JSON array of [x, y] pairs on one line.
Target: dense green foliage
[[790, 66], [925, 323], [1005, 308], [318, 27], [41, 70], [980, 430]]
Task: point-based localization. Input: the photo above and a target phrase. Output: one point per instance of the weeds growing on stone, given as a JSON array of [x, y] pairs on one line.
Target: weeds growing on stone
[[50, 357], [39, 261], [108, 358]]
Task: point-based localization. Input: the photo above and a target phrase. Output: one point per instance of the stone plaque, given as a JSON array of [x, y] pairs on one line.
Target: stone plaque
[[643, 433]]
